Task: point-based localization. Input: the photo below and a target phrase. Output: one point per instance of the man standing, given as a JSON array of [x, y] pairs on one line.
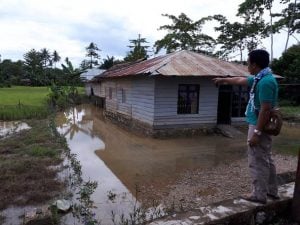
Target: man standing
[[263, 97]]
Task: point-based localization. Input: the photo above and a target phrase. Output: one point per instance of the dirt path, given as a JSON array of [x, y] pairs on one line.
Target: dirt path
[[201, 187]]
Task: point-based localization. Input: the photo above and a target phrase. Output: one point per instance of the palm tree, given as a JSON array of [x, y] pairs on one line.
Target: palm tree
[[55, 58], [46, 57], [92, 52]]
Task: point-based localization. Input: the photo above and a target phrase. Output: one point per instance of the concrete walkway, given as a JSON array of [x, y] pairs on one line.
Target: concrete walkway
[[235, 211]]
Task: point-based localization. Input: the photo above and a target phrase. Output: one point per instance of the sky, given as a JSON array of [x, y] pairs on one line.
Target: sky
[[69, 26]]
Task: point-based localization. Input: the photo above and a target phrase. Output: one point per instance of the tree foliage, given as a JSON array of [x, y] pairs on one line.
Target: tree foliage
[[184, 34], [55, 58], [289, 19], [93, 54], [35, 70], [252, 11], [288, 65], [138, 49], [236, 36], [107, 63], [11, 72]]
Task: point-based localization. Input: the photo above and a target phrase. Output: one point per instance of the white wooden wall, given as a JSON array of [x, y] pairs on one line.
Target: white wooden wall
[[166, 95], [154, 100], [139, 93]]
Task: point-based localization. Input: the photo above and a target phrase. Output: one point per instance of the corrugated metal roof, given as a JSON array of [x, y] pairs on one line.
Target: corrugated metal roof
[[91, 73], [181, 63]]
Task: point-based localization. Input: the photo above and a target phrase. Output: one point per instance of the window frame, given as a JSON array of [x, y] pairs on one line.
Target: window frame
[[188, 109]]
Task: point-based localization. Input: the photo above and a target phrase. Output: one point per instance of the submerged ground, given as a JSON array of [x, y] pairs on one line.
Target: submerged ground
[[181, 173]]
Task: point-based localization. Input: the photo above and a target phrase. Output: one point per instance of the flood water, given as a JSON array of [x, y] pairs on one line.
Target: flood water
[[9, 127], [120, 161]]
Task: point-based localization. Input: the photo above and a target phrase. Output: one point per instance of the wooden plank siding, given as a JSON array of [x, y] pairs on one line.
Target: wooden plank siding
[[139, 94], [154, 100], [166, 96], [142, 97]]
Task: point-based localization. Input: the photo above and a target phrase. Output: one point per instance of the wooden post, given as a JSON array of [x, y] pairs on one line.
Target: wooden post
[[296, 199]]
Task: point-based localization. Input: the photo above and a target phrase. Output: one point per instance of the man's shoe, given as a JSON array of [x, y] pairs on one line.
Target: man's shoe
[[253, 199], [273, 197]]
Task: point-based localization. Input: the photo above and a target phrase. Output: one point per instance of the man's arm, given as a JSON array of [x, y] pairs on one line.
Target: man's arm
[[263, 115], [231, 81], [261, 121]]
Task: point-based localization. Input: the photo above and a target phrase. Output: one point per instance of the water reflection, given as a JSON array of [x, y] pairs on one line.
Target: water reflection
[[130, 159], [9, 127], [119, 160], [78, 130]]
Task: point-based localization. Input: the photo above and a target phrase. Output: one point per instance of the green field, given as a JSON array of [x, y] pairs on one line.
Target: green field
[[31, 96], [20, 102], [23, 102]]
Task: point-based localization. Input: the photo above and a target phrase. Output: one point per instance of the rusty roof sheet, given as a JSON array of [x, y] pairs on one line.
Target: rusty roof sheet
[[181, 63]]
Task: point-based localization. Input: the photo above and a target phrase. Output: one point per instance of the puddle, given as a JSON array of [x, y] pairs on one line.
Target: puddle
[[9, 127]]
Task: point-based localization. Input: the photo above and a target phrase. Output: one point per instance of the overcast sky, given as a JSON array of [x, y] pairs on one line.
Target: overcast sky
[[68, 26]]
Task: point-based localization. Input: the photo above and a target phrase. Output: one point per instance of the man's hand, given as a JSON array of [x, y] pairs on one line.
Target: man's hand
[[254, 140], [230, 81], [218, 81]]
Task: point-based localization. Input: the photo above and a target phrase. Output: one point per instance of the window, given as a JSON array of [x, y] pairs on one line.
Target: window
[[123, 95], [239, 101], [188, 99]]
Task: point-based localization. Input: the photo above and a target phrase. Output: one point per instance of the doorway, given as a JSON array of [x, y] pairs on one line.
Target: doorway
[[224, 104]]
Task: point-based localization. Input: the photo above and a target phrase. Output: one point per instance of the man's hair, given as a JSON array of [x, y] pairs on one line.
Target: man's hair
[[260, 57]]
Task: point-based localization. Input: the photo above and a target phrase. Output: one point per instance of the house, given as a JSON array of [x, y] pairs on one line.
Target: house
[[173, 92], [87, 76]]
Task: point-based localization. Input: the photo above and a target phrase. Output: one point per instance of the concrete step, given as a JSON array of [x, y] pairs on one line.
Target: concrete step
[[234, 211]]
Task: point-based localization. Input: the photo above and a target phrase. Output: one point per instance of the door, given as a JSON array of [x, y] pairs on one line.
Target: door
[[224, 104]]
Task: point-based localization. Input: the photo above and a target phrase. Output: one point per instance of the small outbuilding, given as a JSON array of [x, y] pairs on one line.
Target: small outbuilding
[[172, 92], [87, 76]]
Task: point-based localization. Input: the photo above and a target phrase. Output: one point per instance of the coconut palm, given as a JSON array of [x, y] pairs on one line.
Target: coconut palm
[[55, 58]]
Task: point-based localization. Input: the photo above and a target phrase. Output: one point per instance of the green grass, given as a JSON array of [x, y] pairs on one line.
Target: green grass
[[41, 151], [291, 111], [20, 102], [33, 96]]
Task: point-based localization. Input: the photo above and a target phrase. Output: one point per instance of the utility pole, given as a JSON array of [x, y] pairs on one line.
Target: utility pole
[[296, 199]]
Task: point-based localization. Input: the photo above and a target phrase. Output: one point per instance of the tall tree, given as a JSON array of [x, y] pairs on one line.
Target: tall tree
[[184, 34], [93, 54], [34, 66], [55, 58], [46, 57], [236, 37], [289, 19], [137, 49], [253, 10]]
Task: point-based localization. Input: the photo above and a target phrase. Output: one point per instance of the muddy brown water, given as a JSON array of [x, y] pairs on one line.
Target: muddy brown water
[[121, 161]]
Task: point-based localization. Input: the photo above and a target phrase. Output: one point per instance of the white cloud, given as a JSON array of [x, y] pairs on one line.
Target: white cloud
[[69, 26]]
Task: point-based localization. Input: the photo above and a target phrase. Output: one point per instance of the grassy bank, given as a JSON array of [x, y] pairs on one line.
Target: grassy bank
[[291, 112], [25, 158], [33, 96], [23, 103]]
